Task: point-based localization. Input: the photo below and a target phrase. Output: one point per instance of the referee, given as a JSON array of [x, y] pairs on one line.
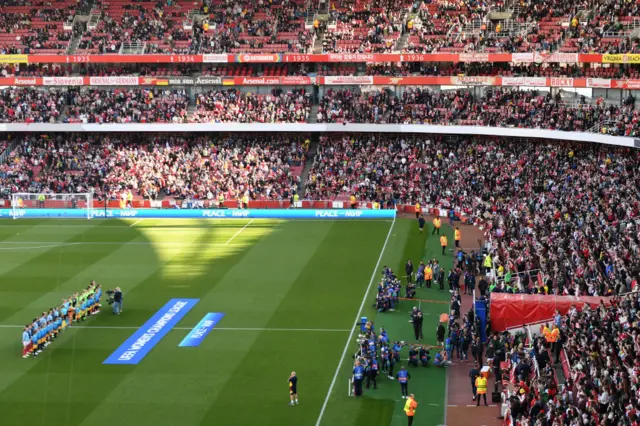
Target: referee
[[293, 388]]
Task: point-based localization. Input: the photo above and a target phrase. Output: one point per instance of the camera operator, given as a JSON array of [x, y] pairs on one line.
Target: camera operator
[[413, 355], [410, 291], [425, 356], [117, 301]]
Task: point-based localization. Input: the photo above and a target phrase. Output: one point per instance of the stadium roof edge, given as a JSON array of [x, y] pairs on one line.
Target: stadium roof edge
[[324, 128]]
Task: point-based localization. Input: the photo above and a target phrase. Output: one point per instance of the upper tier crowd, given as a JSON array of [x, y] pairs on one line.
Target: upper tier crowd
[[223, 106], [498, 107], [279, 26], [138, 105], [569, 210]]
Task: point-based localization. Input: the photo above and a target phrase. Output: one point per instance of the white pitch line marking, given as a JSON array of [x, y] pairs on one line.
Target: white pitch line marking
[[49, 246], [238, 233], [346, 346], [135, 223]]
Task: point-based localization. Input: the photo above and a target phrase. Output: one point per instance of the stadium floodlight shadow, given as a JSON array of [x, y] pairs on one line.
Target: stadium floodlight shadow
[[139, 269]]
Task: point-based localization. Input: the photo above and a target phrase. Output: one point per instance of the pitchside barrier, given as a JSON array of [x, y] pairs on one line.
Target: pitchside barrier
[[46, 213], [86, 201]]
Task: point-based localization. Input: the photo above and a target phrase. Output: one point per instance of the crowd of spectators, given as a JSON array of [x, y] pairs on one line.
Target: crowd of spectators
[[354, 105], [500, 69], [374, 27], [27, 105], [232, 105], [43, 164], [252, 27], [599, 348], [155, 167], [497, 107], [36, 26], [280, 26], [568, 210], [128, 106]]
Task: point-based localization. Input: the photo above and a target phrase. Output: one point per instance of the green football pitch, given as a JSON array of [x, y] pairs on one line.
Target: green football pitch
[[290, 291]]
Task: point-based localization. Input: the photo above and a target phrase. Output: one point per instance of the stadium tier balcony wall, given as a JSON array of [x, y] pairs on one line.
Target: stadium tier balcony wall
[[328, 128]]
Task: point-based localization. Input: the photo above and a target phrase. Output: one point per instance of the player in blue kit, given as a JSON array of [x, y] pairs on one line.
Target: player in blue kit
[[26, 342], [34, 341], [48, 326]]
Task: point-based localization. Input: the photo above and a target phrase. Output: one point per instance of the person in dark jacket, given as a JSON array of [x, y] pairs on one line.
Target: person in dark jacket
[[440, 334], [473, 375], [409, 270], [416, 320], [483, 286]]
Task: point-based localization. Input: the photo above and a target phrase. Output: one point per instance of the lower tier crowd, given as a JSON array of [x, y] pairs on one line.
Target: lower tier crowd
[[600, 349], [564, 217]]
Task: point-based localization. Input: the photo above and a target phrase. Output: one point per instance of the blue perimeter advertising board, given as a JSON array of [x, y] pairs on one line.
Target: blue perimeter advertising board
[[200, 213], [146, 337]]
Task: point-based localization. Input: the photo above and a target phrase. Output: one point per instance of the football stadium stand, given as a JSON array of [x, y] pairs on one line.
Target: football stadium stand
[[519, 117]]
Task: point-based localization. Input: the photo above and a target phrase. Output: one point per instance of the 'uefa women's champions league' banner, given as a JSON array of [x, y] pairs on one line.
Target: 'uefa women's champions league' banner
[[199, 214]]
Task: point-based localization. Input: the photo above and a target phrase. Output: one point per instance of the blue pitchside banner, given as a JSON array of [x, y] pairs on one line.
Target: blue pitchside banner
[[200, 331], [142, 341], [200, 213]]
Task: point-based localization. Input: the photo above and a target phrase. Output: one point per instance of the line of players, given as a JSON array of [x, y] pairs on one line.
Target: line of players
[[377, 354], [39, 334]]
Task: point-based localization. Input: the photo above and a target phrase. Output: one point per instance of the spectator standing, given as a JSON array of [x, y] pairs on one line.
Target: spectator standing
[[469, 283], [408, 268], [440, 331], [416, 320], [473, 375], [483, 286]]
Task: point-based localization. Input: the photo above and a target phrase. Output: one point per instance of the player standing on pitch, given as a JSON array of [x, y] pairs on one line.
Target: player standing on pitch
[[293, 388]]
